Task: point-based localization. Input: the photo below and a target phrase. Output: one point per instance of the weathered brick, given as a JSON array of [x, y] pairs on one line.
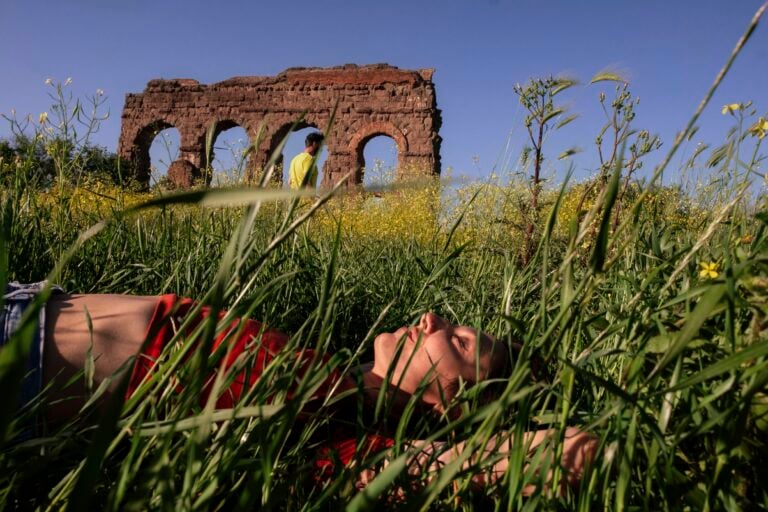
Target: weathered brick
[[373, 100]]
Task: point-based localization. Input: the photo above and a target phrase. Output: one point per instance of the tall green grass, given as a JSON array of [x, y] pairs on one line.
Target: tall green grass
[[665, 365]]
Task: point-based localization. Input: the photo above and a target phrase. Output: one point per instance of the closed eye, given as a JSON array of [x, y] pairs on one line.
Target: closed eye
[[460, 341]]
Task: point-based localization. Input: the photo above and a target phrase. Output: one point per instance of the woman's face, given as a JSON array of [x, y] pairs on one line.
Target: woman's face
[[437, 353]]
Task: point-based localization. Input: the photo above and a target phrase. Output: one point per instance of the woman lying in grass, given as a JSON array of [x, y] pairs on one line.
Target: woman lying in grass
[[428, 364]]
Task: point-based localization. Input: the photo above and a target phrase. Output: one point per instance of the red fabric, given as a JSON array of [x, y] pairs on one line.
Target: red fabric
[[171, 312]]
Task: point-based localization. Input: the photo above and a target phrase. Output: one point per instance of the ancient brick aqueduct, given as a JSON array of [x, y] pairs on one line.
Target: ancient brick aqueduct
[[371, 100]]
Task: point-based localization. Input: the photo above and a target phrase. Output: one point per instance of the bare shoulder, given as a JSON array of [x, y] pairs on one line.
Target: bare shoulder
[[118, 323], [112, 316], [101, 308], [113, 325]]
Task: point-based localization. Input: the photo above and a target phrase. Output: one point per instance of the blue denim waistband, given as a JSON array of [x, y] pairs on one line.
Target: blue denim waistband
[[16, 299]]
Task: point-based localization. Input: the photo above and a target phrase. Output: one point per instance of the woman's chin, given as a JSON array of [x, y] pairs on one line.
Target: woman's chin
[[386, 342]]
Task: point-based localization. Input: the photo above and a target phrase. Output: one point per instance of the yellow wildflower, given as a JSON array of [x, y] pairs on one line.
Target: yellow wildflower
[[730, 108], [760, 128], [746, 239], [43, 117], [709, 270]]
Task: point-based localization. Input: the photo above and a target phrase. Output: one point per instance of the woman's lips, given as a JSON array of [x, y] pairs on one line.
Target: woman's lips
[[410, 333]]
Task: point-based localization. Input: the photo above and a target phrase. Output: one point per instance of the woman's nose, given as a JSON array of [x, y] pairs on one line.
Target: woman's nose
[[430, 322]]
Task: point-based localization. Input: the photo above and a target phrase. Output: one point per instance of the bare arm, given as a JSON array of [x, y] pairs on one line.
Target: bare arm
[[579, 449], [119, 324]]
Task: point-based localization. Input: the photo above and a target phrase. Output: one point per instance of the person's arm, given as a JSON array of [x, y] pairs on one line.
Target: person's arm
[[118, 325], [313, 173], [579, 449], [305, 173]]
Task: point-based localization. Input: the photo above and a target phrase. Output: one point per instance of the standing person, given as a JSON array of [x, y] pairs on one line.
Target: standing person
[[303, 170]]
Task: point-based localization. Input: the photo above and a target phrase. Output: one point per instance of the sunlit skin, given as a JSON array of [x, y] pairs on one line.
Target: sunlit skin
[[433, 350], [434, 354]]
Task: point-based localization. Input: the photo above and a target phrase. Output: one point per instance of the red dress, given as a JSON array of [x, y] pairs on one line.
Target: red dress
[[169, 314]]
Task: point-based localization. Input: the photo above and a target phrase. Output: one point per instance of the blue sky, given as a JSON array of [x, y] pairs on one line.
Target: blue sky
[[670, 50]]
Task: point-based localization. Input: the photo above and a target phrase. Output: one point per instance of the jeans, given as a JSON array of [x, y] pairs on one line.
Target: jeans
[[15, 301]]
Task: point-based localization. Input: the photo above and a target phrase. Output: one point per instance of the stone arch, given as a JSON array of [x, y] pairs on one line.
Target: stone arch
[[222, 125], [369, 131], [279, 131], [284, 129], [379, 161], [141, 144]]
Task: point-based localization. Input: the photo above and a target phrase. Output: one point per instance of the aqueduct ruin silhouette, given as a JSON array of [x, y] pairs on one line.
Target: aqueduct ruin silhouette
[[372, 100]]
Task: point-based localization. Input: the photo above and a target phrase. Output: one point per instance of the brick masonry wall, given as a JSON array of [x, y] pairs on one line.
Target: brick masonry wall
[[371, 100]]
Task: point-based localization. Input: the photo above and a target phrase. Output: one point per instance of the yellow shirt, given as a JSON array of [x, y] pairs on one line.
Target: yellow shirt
[[301, 165]]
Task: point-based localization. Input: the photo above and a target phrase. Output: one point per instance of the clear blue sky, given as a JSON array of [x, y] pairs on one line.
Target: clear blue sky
[[671, 51]]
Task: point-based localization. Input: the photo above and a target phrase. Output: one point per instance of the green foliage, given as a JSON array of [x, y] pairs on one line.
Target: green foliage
[[667, 367], [32, 159], [543, 116], [58, 148]]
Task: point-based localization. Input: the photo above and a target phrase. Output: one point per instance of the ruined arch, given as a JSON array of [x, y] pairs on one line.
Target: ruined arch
[[371, 130], [286, 128], [380, 161], [225, 125], [141, 145], [222, 125], [281, 130], [275, 130], [368, 100]]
